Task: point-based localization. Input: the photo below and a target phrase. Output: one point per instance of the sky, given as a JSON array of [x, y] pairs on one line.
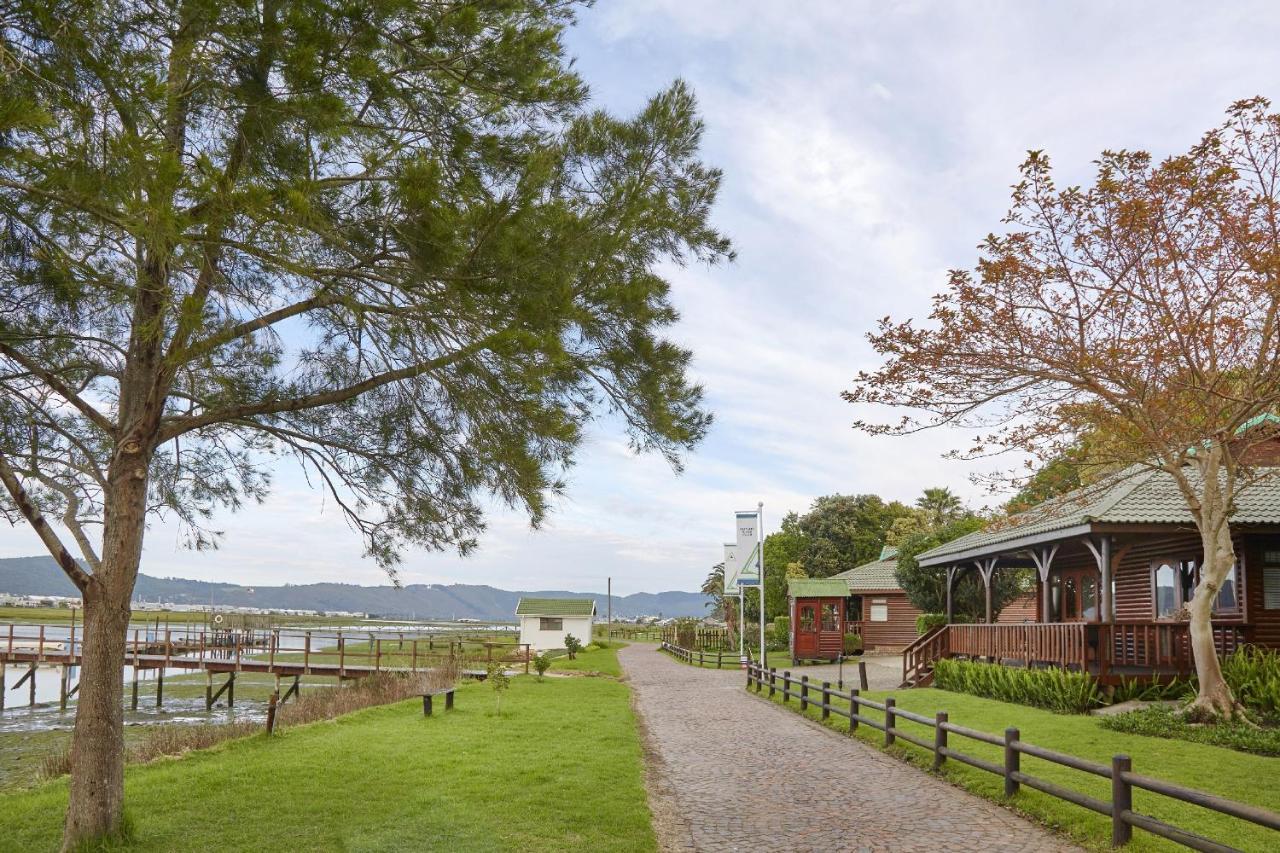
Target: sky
[[867, 148]]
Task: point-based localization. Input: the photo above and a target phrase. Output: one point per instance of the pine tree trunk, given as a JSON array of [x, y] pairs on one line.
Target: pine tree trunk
[[96, 806]]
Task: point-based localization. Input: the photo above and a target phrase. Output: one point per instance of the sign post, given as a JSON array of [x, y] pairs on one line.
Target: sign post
[[764, 655], [750, 569], [731, 587]]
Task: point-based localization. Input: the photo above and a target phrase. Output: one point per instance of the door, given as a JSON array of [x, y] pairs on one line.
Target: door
[[806, 630], [1074, 596]]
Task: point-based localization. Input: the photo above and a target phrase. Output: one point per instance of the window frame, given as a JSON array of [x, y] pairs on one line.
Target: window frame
[[1180, 566], [543, 623]]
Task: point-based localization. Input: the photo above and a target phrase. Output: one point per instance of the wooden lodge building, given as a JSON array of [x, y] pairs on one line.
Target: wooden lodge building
[[865, 600], [1115, 564]]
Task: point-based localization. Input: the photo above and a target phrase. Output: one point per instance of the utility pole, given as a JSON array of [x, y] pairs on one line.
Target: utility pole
[[609, 598]]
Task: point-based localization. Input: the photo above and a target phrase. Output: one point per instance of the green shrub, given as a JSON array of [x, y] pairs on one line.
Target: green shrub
[[542, 663], [1054, 689], [853, 644], [1254, 677], [600, 643], [572, 645], [926, 622], [1165, 722], [782, 628], [1153, 691]]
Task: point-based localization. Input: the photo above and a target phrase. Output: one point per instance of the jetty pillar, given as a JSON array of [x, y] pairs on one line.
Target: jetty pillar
[[32, 687], [133, 704], [160, 687], [208, 690], [62, 687], [3, 671]]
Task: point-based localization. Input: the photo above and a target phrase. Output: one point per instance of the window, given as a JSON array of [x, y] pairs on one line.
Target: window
[[879, 610], [1271, 580], [1175, 585], [806, 617], [547, 623], [1069, 612], [1089, 598], [1166, 592], [830, 617]]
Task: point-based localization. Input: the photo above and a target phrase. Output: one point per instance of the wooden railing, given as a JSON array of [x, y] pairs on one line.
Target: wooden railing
[[343, 650], [1064, 644], [1166, 646], [919, 657], [854, 707]]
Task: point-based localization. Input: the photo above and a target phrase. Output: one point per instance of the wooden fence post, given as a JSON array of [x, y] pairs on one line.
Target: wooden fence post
[[939, 739], [889, 719], [786, 685], [773, 680], [804, 693], [1121, 800], [853, 710], [271, 712], [862, 675], [826, 700], [1012, 762]]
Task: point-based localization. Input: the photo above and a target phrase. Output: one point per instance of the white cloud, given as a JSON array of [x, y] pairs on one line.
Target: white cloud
[[867, 147]]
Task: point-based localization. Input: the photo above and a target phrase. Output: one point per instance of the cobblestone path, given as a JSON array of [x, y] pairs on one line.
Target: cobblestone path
[[721, 781]]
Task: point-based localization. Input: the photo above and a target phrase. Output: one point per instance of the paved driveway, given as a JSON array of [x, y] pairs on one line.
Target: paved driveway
[[730, 771]]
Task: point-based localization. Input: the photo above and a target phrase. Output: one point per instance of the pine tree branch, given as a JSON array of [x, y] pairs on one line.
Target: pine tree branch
[[59, 387], [36, 519]]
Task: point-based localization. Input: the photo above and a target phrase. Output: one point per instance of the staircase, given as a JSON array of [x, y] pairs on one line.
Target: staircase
[[919, 657]]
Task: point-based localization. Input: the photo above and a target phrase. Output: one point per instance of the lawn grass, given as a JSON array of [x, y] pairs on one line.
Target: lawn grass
[[1238, 776], [591, 659], [560, 769]]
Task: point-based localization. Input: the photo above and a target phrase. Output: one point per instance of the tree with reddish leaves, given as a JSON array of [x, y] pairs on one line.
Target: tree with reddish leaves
[[1142, 309]]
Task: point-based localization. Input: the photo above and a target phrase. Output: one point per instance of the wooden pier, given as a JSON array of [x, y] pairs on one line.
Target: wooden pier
[[283, 653]]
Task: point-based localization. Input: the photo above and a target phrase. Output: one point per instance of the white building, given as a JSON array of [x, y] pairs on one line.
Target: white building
[[544, 622]]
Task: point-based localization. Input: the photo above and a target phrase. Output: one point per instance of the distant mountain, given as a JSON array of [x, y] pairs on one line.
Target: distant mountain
[[41, 576]]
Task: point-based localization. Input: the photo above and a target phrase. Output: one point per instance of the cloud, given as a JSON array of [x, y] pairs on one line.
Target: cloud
[[867, 148]]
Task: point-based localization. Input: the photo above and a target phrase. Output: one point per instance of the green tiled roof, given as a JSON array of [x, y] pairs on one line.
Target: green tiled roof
[[556, 607], [876, 576], [1136, 496], [817, 588]]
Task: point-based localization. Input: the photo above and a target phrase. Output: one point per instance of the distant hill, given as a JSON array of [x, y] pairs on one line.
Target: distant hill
[[41, 576]]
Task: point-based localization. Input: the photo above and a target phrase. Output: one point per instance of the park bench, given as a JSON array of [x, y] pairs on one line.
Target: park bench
[[427, 697]]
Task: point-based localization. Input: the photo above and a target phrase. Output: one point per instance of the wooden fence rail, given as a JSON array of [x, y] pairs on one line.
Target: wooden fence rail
[[1119, 808], [699, 657]]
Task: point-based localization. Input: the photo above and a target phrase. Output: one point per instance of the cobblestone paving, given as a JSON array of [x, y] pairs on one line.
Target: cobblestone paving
[[719, 780]]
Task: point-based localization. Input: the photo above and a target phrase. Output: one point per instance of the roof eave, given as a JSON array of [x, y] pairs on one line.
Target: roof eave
[[1015, 544]]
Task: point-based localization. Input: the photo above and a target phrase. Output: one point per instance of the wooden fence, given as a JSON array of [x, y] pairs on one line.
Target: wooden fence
[[1120, 771], [703, 639], [699, 657]]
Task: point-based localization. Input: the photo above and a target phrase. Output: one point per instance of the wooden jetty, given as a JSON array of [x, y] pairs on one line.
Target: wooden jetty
[[282, 653]]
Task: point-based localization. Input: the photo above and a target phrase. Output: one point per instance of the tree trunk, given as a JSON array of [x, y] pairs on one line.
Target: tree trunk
[[1213, 520], [1214, 698], [96, 806]]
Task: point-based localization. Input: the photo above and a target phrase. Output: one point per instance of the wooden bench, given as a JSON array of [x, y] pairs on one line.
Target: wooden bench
[[427, 697]]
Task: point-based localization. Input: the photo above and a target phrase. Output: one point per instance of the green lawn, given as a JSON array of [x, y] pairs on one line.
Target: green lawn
[[560, 769], [1247, 778], [591, 659]]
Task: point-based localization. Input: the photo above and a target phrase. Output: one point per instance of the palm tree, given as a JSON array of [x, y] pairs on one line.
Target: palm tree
[[713, 586], [940, 505]]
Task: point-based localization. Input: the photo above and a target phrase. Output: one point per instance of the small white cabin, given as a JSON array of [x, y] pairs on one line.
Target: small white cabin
[[544, 622]]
